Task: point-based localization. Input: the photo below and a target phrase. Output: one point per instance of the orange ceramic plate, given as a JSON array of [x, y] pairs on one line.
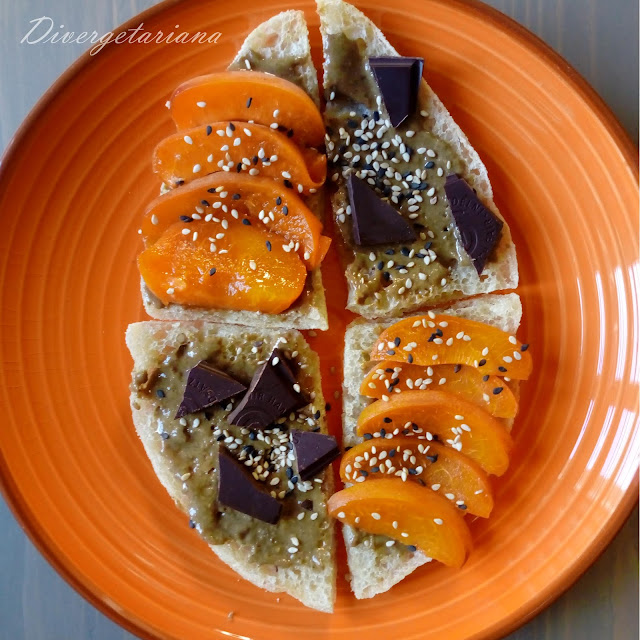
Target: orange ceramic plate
[[70, 462]]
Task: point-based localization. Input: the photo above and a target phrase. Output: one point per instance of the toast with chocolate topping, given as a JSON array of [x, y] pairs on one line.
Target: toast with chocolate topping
[[414, 205], [278, 46], [375, 567], [255, 493]]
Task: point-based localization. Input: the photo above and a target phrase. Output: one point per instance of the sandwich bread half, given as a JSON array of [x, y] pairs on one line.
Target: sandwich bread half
[[375, 570], [279, 46], [184, 452], [350, 39]]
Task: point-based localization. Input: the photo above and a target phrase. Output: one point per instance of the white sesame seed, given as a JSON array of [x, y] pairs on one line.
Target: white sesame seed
[[296, 388], [374, 515], [170, 291], [188, 140], [438, 520], [512, 340], [390, 543], [252, 265], [508, 359], [196, 168]]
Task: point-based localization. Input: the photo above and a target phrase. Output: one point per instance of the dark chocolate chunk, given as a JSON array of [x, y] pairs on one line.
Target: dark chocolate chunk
[[479, 228], [374, 220], [205, 387], [270, 395], [398, 80], [237, 489], [314, 451]]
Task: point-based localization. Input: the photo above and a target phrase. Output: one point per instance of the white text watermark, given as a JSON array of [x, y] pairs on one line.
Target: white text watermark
[[43, 31]]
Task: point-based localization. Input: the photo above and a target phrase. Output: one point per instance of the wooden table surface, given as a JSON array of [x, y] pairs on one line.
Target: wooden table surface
[[599, 37]]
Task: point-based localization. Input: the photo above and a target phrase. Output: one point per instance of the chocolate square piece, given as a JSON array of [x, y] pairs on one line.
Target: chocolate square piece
[[237, 489], [374, 220], [398, 80], [205, 387], [271, 395], [314, 451], [479, 227]]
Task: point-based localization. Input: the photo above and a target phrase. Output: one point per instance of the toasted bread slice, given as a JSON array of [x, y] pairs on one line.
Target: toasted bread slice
[[183, 452], [283, 37], [337, 18], [373, 572]]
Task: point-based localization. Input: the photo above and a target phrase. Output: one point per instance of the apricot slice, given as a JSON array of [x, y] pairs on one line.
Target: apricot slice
[[441, 339], [387, 378], [457, 422], [407, 513], [444, 470], [244, 269], [248, 96], [259, 150], [228, 196]]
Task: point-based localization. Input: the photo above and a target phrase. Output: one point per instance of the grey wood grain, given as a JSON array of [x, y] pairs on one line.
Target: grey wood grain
[[599, 37]]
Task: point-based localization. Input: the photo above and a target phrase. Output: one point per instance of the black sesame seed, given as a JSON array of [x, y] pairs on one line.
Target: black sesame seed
[[212, 190], [232, 126], [307, 504], [246, 221], [192, 524], [363, 473], [389, 370], [209, 129], [391, 352], [239, 167], [285, 210], [268, 245], [387, 420], [252, 435], [160, 393], [386, 276], [380, 265], [433, 458], [412, 548], [367, 436], [410, 359], [317, 415], [165, 435], [295, 479], [524, 347], [497, 390], [255, 159], [278, 200], [405, 252], [413, 472], [397, 342], [389, 252], [249, 102], [485, 378], [236, 196], [392, 453], [462, 506], [288, 184], [212, 271], [289, 473], [220, 438], [430, 164], [375, 469], [205, 203], [457, 368], [179, 182], [415, 427], [383, 433], [503, 369], [315, 429], [482, 362], [439, 333], [405, 432], [186, 218]]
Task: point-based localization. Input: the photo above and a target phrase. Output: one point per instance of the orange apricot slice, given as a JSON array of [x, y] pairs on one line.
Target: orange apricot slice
[[444, 470], [457, 422], [407, 513], [259, 150], [388, 378], [248, 96], [231, 196], [240, 271], [442, 339]]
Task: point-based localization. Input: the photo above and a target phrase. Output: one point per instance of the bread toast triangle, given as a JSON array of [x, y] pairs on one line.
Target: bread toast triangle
[[338, 18], [375, 571], [182, 451], [283, 38]]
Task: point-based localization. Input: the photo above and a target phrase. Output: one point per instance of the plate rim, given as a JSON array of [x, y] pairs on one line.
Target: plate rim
[[543, 599]]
